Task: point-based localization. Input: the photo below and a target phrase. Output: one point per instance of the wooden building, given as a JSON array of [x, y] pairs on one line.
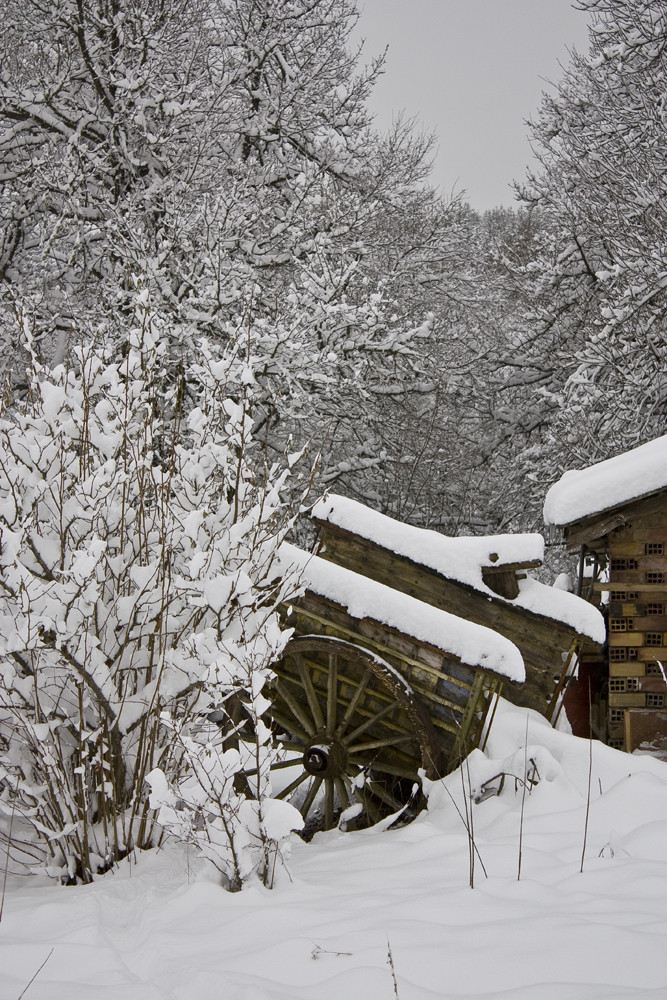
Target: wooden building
[[614, 514], [484, 580]]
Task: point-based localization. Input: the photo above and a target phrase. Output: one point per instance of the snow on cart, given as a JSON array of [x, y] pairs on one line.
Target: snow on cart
[[374, 687]]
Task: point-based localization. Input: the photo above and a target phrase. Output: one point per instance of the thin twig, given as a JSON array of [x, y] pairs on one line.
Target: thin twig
[[471, 839], [390, 963], [462, 818], [523, 801], [9, 844], [23, 993], [590, 775]]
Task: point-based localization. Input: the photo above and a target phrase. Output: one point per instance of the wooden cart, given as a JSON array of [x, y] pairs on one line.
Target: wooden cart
[[363, 706]]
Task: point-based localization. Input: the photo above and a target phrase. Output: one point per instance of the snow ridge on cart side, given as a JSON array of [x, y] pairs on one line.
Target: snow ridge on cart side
[[462, 559], [474, 644]]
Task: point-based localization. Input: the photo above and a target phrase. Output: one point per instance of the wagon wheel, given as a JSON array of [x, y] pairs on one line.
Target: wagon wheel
[[353, 731]]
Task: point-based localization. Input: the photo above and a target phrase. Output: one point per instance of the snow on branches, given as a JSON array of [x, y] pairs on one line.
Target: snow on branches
[[138, 599]]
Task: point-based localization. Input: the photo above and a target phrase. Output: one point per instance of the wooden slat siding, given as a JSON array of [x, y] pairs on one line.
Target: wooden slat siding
[[446, 686], [647, 654], [644, 565], [427, 678], [461, 746], [635, 610], [325, 627], [593, 531], [627, 699], [636, 639], [627, 668], [642, 531], [648, 623], [633, 549], [541, 640]]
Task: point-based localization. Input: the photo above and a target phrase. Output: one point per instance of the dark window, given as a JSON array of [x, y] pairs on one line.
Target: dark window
[[621, 564]]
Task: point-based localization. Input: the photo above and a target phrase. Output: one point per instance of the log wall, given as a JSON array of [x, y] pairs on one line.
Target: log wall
[[543, 642]]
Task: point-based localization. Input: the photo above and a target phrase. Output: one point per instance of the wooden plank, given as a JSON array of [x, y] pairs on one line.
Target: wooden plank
[[512, 567], [627, 699], [627, 668], [354, 636], [503, 584], [378, 563], [460, 748], [655, 589], [626, 638], [650, 623], [649, 530], [622, 550], [597, 527], [651, 654]]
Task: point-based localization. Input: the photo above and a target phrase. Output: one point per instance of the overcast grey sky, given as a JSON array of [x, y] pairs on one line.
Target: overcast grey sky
[[473, 71]]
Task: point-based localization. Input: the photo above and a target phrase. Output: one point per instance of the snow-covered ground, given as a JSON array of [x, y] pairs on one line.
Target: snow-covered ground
[[161, 929]]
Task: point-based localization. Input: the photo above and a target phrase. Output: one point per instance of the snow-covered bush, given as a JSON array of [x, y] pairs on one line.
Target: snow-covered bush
[[137, 588]]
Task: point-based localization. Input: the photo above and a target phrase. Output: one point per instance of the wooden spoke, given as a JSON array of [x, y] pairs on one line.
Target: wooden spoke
[[372, 808], [390, 741], [394, 769], [309, 688], [294, 707], [354, 701], [328, 804], [368, 723], [310, 797], [381, 793], [289, 725], [278, 766], [299, 780], [343, 793], [332, 693]]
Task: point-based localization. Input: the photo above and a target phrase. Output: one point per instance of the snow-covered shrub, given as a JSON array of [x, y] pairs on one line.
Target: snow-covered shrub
[[138, 532]]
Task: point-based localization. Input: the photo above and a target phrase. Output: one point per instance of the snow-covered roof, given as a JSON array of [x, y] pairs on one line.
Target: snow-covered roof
[[475, 645], [459, 559], [634, 474], [462, 560]]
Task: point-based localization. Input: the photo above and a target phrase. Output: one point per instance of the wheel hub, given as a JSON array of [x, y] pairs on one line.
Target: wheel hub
[[325, 758]]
